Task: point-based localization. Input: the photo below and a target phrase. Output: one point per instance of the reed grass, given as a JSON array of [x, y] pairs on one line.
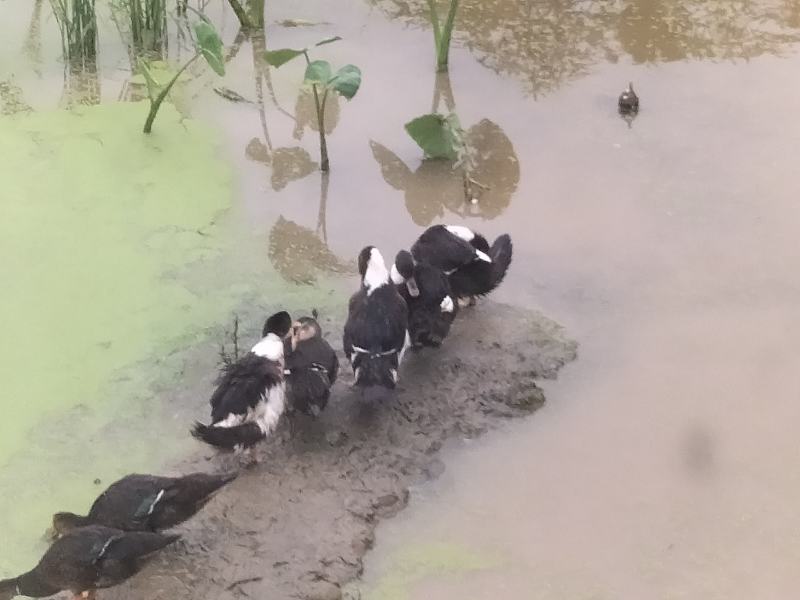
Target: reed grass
[[77, 22], [148, 19]]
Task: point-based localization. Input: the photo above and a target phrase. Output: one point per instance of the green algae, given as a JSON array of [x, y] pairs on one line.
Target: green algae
[[86, 290], [114, 268], [412, 564]]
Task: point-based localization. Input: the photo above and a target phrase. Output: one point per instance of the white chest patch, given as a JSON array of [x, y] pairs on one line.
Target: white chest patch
[[269, 411], [397, 279], [465, 233], [376, 274], [447, 304], [271, 348]]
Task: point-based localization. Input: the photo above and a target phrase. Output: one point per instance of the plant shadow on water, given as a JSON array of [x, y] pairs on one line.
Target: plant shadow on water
[[296, 252], [436, 185]]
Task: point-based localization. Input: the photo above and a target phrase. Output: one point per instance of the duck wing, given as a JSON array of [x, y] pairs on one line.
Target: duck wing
[[443, 249], [182, 498], [242, 384], [127, 504], [122, 554]]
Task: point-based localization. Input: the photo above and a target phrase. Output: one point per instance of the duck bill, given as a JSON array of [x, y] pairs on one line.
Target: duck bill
[[411, 285]]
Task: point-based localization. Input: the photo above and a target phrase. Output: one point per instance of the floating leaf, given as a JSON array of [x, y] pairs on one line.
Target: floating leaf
[[439, 136], [318, 72], [347, 81], [329, 40], [210, 46], [277, 58]]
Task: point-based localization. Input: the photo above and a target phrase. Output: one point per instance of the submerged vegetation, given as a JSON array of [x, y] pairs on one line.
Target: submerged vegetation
[[250, 14], [324, 82], [77, 22], [148, 25]]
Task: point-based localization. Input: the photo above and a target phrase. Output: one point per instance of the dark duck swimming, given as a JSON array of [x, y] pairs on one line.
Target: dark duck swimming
[[375, 334], [628, 103], [250, 396], [473, 267], [311, 367], [146, 503], [85, 560], [426, 290]]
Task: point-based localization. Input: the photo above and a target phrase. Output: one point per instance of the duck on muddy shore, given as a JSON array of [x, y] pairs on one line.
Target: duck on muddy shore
[[311, 367], [146, 503], [473, 267], [375, 334], [431, 309], [249, 400], [85, 560]]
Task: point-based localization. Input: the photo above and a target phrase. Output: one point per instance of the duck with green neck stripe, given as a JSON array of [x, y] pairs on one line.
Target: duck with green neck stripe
[[146, 502], [85, 560]]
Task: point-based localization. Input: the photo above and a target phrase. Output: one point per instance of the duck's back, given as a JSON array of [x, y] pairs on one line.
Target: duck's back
[[442, 249], [242, 384], [128, 503], [377, 322]]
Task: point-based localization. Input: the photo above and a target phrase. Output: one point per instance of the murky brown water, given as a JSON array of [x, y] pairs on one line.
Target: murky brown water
[[663, 465]]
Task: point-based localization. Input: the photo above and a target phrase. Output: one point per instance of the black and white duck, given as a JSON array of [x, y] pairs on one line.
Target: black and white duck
[[628, 101], [473, 267], [85, 560], [250, 396], [426, 290], [146, 503], [311, 367], [375, 334]]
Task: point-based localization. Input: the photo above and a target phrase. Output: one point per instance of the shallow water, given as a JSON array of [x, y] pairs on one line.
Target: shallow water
[[661, 467]]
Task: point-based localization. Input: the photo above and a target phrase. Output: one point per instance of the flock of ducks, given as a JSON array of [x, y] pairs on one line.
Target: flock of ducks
[[291, 369]]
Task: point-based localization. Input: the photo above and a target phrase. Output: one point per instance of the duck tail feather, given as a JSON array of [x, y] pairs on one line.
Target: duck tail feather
[[501, 252], [229, 438]]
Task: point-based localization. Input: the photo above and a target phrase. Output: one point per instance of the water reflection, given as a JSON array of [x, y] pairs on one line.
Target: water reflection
[[298, 253], [305, 113], [547, 42], [32, 46], [436, 185], [290, 163]]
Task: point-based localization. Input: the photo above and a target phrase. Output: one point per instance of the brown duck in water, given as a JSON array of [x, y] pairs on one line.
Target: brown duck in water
[[85, 560], [146, 503]]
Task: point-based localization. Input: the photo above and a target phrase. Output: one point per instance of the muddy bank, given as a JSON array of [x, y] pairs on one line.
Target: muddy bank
[[299, 524]]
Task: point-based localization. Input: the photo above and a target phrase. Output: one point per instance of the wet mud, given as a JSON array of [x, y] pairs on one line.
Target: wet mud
[[298, 524]]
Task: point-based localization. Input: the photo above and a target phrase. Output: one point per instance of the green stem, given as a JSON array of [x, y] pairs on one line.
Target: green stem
[[324, 163], [323, 144], [156, 104], [443, 47], [437, 28], [241, 14]]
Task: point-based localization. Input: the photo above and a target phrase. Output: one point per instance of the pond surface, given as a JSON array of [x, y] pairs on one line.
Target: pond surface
[[661, 466]]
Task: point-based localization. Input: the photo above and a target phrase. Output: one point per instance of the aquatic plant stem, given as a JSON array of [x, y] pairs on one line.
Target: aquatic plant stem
[[443, 56], [324, 163], [241, 14], [442, 35], [156, 104]]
